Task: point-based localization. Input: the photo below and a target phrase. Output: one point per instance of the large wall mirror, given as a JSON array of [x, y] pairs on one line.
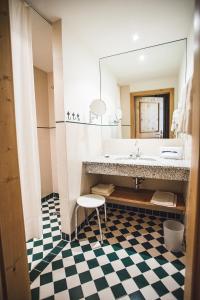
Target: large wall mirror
[[149, 82]]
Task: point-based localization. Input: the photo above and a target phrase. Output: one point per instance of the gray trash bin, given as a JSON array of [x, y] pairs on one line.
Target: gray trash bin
[[173, 235]]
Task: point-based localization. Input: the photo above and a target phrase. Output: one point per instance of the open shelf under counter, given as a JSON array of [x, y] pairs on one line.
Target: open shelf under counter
[[142, 198]]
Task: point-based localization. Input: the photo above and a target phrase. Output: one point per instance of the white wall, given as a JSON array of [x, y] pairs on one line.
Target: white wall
[[182, 85], [147, 146], [190, 53], [81, 86], [81, 75], [190, 65], [110, 94], [75, 142], [82, 79], [61, 147], [125, 107], [125, 104], [83, 141]]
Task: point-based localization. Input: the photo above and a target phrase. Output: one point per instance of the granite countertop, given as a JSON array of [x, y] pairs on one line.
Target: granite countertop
[[151, 167], [158, 162]]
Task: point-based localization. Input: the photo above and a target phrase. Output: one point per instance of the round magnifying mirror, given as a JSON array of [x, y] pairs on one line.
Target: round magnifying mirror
[[98, 107]]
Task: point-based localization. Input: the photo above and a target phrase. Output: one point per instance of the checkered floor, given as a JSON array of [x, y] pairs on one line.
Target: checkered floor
[[38, 249], [132, 263]]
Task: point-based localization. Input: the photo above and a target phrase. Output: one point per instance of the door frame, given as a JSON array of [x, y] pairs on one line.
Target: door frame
[[169, 91]]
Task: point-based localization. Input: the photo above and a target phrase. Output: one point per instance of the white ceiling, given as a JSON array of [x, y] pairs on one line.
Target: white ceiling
[[159, 62], [107, 26]]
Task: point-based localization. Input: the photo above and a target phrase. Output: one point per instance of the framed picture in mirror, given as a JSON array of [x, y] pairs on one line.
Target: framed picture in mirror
[[151, 113]]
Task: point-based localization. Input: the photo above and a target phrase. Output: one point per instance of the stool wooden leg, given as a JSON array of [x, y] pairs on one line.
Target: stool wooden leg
[[76, 222], [101, 236]]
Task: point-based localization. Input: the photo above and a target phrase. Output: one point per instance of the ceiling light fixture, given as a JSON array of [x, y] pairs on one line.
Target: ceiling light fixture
[[141, 57], [135, 37]]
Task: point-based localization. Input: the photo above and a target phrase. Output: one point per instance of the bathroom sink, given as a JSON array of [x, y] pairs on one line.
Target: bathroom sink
[[148, 158], [124, 157], [131, 157]]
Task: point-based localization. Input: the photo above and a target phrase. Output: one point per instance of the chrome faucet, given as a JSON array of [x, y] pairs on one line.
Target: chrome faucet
[[137, 152]]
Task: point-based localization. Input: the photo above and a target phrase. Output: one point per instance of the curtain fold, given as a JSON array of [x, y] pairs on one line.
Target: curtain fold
[[25, 113]]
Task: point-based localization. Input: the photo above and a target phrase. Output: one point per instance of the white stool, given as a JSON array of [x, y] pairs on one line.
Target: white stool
[[90, 201]]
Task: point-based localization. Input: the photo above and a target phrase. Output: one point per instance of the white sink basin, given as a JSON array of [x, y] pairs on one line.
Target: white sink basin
[[149, 158], [124, 157], [130, 157]]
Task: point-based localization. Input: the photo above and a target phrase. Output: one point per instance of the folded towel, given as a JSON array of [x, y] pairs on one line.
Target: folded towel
[[175, 120], [103, 189], [104, 185], [167, 204], [171, 152], [188, 117], [164, 198], [106, 194], [185, 119]]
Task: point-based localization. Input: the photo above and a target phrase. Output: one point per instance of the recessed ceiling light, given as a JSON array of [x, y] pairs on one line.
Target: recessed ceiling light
[[135, 37], [141, 57]]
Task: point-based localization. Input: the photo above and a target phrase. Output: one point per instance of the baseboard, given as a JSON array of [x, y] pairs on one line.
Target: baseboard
[[71, 237], [149, 212]]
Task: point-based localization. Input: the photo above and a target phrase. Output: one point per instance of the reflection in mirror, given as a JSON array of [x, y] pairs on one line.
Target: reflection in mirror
[[149, 81]]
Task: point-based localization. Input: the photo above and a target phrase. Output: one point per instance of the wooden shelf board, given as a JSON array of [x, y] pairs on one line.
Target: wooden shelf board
[[141, 198]]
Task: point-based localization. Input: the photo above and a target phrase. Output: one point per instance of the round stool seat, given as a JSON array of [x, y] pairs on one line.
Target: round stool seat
[[91, 201]]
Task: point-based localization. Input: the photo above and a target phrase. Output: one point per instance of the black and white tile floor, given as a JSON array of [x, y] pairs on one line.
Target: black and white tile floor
[[132, 263], [51, 234]]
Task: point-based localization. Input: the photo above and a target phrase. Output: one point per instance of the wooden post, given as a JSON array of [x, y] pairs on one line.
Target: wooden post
[[192, 279], [14, 279]]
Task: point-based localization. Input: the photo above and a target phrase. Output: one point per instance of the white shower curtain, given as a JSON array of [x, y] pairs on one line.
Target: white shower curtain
[[25, 113]]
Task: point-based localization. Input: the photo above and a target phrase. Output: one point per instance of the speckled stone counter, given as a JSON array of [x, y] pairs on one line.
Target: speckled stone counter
[[159, 169]]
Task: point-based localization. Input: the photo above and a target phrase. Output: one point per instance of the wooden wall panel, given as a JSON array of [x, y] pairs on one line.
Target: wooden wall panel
[[192, 280], [43, 130], [13, 259]]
